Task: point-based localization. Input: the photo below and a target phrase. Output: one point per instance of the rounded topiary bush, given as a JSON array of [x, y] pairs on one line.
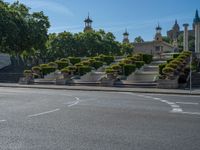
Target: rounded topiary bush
[[139, 64], [107, 58], [168, 70], [147, 58], [97, 64], [36, 69], [61, 64], [84, 69], [129, 68], [161, 66], [74, 60]]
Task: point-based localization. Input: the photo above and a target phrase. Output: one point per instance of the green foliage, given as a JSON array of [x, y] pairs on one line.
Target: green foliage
[[97, 64], [36, 69], [168, 70], [147, 58], [53, 64], [169, 60], [109, 70], [107, 58], [74, 60], [129, 68], [172, 65], [139, 64], [175, 55], [47, 70], [65, 70], [27, 71], [61, 63], [116, 67], [161, 66], [84, 69]]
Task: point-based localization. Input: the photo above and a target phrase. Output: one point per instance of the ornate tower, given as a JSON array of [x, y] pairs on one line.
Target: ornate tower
[[197, 32], [185, 37], [126, 34], [88, 24], [158, 36]]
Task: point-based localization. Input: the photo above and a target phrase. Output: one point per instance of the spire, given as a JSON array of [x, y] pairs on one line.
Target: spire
[[158, 27], [126, 33], [196, 19], [176, 26]]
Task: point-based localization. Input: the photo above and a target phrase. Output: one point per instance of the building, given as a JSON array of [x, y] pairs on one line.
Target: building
[[196, 24], [88, 24], [155, 47], [126, 39]]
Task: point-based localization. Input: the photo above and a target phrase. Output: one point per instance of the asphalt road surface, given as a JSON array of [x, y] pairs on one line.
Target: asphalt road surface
[[35, 119]]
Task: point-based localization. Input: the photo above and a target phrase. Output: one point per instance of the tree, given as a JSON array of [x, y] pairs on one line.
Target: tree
[[138, 39], [127, 48]]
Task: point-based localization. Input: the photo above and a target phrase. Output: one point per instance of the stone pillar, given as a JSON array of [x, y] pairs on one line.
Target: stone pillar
[[185, 37], [197, 38]]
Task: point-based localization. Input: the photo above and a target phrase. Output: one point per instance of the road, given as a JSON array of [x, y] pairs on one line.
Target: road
[[35, 119]]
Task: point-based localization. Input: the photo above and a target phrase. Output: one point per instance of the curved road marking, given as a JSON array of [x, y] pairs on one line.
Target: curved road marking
[[74, 103], [43, 113]]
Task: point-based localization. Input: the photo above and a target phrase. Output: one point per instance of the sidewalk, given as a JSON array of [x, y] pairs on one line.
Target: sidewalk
[[107, 89]]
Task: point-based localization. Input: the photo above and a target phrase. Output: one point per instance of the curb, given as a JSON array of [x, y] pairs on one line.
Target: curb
[[103, 89]]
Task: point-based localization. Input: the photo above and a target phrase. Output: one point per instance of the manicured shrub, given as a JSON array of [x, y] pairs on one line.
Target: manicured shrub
[[64, 59], [74, 60], [53, 64], [86, 63], [71, 68], [65, 70], [161, 66], [107, 58], [116, 67], [109, 70], [169, 60], [147, 58], [44, 65], [139, 64], [97, 64], [35, 75], [127, 61], [48, 69], [84, 69], [171, 65], [61, 64], [36, 69], [168, 70], [175, 55], [129, 68], [27, 71]]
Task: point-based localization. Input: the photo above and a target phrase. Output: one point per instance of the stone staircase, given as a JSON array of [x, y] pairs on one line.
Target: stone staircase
[[11, 74], [196, 79]]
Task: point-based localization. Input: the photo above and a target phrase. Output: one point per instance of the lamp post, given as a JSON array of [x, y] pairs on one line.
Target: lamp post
[[191, 74]]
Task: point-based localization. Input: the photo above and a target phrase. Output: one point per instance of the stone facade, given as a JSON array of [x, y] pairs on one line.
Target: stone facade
[[155, 47]]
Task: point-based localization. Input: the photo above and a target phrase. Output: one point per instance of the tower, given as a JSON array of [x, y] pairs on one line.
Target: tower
[[185, 37], [197, 32], [126, 34], [158, 36], [88, 24]]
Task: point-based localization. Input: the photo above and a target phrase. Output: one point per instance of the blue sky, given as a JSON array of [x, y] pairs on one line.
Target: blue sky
[[139, 16]]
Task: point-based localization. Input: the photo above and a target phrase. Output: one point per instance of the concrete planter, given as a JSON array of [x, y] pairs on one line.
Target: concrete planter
[[64, 81], [107, 82], [26, 80], [168, 83]]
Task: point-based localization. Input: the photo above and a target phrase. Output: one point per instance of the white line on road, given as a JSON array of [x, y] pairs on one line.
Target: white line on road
[[2, 120], [43, 113], [191, 113], [75, 103], [187, 103]]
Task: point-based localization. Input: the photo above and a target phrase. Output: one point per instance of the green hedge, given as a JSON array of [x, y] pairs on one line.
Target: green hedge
[[61, 64], [175, 55], [107, 58], [84, 69], [147, 58], [97, 64], [129, 68], [47, 70], [74, 60], [139, 64], [161, 66]]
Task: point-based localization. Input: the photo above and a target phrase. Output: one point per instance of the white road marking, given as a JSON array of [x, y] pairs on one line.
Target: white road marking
[[74, 103], [2, 120], [187, 103], [156, 98], [43, 113], [191, 113], [177, 110]]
